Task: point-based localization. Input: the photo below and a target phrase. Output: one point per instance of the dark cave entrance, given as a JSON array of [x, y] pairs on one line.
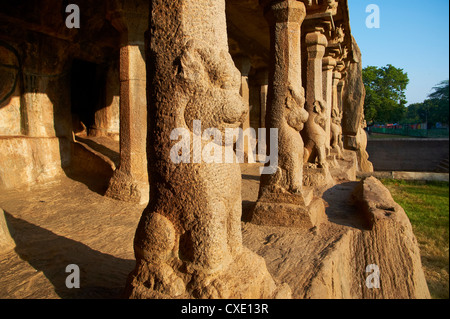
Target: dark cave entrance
[[87, 93]]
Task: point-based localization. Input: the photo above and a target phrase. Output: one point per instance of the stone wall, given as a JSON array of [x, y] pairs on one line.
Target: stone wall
[[37, 51], [415, 155], [26, 161]]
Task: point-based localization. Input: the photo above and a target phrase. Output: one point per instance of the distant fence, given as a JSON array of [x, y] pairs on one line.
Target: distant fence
[[406, 131]]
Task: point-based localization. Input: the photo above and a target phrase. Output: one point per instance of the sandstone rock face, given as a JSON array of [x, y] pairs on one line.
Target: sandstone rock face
[[361, 251], [389, 243], [354, 94], [380, 262], [188, 243], [353, 122], [26, 161]]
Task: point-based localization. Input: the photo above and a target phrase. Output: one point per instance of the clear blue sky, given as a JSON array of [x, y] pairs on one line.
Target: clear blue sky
[[413, 36]]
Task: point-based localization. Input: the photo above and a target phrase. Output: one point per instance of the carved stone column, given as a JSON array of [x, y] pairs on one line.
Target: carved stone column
[[243, 64], [336, 118], [317, 172], [328, 65], [188, 243], [282, 199], [263, 81], [130, 180], [315, 128], [340, 89]]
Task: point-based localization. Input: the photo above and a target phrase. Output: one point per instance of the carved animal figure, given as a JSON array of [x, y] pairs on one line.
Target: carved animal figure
[[336, 133], [190, 236], [315, 144], [290, 142]]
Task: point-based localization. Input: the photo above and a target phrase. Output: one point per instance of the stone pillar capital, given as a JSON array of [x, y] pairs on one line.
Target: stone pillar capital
[[328, 63], [287, 11], [316, 39], [130, 18], [337, 76]]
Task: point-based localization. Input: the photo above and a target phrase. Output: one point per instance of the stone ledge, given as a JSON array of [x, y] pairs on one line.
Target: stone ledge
[[289, 215], [6, 241], [411, 176]]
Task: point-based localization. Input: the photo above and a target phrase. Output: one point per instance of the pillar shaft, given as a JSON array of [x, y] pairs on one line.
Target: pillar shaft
[[315, 128], [335, 94], [285, 97], [46, 75], [328, 65], [282, 200], [188, 243], [262, 81], [130, 180], [243, 64], [316, 43], [340, 89], [263, 102]]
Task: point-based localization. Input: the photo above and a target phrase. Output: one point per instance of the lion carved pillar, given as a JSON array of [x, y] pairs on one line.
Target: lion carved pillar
[[188, 243], [282, 199]]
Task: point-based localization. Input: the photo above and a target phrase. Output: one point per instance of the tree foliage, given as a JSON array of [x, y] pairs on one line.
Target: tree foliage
[[433, 110], [385, 93]]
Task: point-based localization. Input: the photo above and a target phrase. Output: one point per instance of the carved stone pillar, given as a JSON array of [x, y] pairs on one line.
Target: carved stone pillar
[[328, 65], [188, 243], [336, 118], [263, 81], [243, 64], [130, 180], [317, 173], [282, 199], [315, 128], [340, 89]]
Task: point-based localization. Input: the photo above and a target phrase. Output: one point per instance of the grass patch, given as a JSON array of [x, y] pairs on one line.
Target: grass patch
[[427, 206]]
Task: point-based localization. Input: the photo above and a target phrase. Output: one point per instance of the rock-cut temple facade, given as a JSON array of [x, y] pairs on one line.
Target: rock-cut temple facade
[[136, 70]]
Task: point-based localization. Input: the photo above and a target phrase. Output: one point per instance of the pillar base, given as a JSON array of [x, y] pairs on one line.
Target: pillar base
[[332, 159], [245, 278], [289, 210], [123, 187], [347, 167], [289, 215], [317, 178]]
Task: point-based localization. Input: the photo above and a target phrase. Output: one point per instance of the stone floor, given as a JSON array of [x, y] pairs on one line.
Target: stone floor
[[61, 223], [69, 221]]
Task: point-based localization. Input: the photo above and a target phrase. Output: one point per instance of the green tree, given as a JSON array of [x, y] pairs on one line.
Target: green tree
[[439, 103], [433, 110], [441, 91], [385, 93], [414, 114]]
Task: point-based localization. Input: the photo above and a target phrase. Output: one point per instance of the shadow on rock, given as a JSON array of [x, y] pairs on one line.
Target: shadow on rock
[[102, 276], [341, 209]]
